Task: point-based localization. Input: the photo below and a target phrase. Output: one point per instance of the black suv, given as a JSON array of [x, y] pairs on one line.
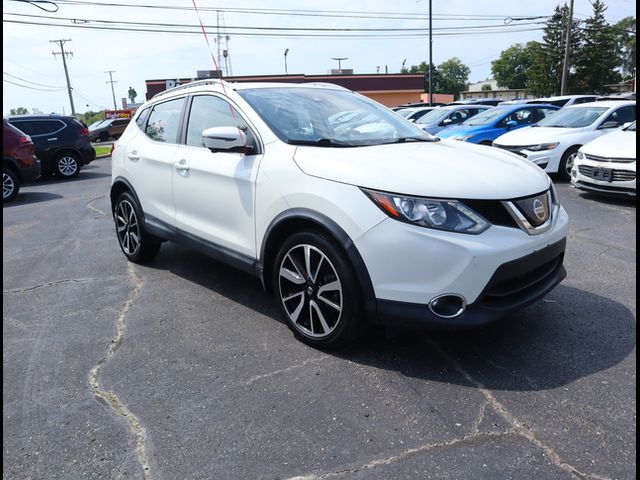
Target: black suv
[[62, 143]]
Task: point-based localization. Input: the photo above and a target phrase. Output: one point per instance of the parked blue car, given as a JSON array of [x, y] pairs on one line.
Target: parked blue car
[[485, 127]]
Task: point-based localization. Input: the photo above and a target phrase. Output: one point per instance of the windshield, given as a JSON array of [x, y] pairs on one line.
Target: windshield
[[95, 125], [327, 117], [433, 116], [631, 128], [488, 116], [577, 117], [405, 112]]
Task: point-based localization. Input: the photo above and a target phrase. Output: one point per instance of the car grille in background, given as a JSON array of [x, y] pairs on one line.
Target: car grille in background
[[513, 149], [596, 158], [617, 175], [493, 211]]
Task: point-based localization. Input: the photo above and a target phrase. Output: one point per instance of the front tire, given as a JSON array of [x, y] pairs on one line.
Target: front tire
[[566, 164], [136, 244], [67, 165], [10, 185], [316, 289]]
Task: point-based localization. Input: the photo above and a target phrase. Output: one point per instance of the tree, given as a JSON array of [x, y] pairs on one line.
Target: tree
[[547, 57], [19, 111], [423, 68], [452, 77], [625, 31], [511, 69], [90, 117], [597, 60], [486, 87]]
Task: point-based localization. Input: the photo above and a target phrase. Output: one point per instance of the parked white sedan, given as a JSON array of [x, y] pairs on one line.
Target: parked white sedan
[[553, 143], [608, 164]]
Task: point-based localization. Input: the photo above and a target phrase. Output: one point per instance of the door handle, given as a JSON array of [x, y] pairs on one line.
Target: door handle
[[182, 166], [133, 156], [52, 139]]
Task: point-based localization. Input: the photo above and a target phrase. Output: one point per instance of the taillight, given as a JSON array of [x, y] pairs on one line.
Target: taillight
[[24, 139], [84, 131]]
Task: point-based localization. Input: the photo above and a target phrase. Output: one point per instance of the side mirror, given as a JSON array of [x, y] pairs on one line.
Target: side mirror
[[610, 124], [511, 123], [224, 139], [447, 121]]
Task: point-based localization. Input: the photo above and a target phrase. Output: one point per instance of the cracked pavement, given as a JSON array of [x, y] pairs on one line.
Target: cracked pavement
[[182, 369]]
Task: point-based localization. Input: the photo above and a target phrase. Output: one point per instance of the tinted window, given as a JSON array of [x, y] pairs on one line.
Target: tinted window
[[208, 111], [622, 115], [460, 116], [30, 128], [164, 120], [540, 113], [584, 100], [119, 123]]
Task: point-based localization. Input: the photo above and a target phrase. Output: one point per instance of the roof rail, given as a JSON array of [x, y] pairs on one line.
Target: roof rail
[[195, 83]]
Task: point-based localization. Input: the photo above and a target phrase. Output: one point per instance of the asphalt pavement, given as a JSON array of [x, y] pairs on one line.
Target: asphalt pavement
[[183, 369]]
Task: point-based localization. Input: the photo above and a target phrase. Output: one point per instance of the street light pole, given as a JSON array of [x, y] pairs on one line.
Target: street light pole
[[565, 63], [431, 54], [286, 52], [339, 59]]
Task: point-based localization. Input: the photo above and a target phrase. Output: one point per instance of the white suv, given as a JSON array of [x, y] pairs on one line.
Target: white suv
[[345, 218]]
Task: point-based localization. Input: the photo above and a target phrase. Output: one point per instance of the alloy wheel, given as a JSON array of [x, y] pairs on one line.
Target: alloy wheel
[[67, 166], [569, 164], [127, 227], [310, 291], [8, 186]]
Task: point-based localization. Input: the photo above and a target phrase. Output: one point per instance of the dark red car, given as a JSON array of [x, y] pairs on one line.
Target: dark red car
[[19, 162]]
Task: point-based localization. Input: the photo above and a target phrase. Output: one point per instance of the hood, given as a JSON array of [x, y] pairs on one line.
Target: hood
[[535, 135], [445, 169], [617, 144], [462, 130]]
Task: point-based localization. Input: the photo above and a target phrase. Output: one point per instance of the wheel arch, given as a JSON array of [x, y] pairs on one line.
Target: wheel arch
[[302, 219], [119, 186]]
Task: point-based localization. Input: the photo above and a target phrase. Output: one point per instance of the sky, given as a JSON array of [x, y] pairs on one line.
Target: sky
[[138, 56]]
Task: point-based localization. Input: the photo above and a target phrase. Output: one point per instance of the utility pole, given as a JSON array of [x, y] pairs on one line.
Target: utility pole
[[218, 37], [565, 63], [64, 55], [112, 81], [431, 54]]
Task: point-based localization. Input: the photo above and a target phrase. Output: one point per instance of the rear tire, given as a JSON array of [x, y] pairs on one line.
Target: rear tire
[[317, 290], [137, 245], [10, 185], [67, 165]]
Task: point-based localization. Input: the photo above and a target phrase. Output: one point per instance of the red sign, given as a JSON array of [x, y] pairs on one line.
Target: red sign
[[118, 113]]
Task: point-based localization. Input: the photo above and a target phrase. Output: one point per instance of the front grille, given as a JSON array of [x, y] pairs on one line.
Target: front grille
[[513, 149], [520, 280], [596, 158], [617, 174], [606, 188], [493, 211]]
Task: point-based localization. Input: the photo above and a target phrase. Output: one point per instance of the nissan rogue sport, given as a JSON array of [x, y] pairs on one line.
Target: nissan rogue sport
[[345, 218]]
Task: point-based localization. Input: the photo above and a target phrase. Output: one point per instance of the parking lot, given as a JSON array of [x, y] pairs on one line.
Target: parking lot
[[183, 369]]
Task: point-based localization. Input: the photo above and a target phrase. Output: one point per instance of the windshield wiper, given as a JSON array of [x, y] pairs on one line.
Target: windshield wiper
[[320, 142], [416, 139]]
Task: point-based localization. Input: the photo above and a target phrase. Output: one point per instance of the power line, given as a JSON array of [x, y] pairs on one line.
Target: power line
[[275, 35], [29, 87], [34, 83]]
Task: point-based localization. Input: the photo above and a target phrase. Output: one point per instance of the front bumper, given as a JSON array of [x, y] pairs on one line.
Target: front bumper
[[622, 180], [513, 286], [420, 264]]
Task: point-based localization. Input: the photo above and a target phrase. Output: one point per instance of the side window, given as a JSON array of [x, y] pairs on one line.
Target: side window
[[584, 100], [164, 120], [208, 111], [521, 117], [622, 115], [541, 113], [30, 128], [141, 120]]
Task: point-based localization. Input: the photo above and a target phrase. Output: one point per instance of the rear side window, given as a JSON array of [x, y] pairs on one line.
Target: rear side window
[[208, 111], [622, 115], [164, 120], [39, 127], [141, 120]]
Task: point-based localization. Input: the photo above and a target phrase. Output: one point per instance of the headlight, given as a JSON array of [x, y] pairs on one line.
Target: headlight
[[580, 155], [449, 215], [463, 138], [541, 147]]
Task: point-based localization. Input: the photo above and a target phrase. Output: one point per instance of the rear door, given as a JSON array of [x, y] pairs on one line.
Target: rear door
[[149, 160], [214, 193], [46, 135]]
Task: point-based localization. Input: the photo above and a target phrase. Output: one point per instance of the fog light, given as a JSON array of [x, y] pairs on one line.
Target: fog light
[[448, 306], [574, 172]]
